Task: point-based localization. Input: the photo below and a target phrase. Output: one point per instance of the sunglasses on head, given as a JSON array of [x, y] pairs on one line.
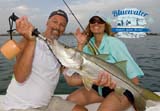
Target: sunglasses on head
[[96, 20]]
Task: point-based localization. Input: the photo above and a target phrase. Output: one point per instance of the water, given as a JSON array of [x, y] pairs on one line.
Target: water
[[145, 51]]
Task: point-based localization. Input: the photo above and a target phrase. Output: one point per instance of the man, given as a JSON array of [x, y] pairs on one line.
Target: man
[[36, 70]]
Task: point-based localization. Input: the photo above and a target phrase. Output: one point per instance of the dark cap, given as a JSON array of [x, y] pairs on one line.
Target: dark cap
[[59, 12], [101, 18]]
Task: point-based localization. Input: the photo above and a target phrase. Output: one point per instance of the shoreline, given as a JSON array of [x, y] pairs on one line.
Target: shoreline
[[155, 34], [20, 35]]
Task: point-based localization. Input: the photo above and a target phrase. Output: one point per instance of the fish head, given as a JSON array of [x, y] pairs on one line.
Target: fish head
[[67, 56]]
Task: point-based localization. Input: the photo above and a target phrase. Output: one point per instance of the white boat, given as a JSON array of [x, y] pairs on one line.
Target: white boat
[[93, 107]]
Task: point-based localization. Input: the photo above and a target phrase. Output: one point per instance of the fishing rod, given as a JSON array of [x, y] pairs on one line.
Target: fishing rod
[[35, 32], [94, 49], [74, 15]]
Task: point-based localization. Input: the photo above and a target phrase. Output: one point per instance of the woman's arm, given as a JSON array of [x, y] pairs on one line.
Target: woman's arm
[[135, 80], [81, 39]]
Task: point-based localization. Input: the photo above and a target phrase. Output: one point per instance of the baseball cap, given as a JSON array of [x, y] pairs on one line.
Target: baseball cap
[[96, 19], [59, 12], [98, 14]]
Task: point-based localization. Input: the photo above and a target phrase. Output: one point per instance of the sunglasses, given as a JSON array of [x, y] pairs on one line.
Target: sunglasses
[[96, 20]]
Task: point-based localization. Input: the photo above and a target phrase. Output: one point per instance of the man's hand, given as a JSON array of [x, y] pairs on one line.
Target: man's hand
[[25, 28]]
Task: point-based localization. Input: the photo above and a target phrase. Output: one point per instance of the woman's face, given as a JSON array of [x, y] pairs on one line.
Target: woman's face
[[97, 25]]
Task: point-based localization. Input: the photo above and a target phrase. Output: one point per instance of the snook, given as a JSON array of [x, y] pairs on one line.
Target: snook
[[89, 66]]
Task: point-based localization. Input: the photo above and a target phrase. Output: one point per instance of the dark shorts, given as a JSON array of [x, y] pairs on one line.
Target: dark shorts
[[106, 91]]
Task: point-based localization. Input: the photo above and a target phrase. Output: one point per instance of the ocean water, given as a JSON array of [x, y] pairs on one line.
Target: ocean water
[[145, 51]]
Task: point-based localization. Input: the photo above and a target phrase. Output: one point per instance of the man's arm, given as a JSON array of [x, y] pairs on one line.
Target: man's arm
[[23, 65]]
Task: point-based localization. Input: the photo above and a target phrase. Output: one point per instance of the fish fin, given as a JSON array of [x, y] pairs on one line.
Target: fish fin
[[139, 103], [122, 65], [87, 82], [149, 95], [103, 56], [152, 99], [147, 98], [119, 90]]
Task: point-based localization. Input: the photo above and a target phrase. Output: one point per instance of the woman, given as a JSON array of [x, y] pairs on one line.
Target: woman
[[98, 40]]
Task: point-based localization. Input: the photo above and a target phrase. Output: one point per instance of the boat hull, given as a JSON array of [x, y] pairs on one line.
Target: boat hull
[[93, 107]]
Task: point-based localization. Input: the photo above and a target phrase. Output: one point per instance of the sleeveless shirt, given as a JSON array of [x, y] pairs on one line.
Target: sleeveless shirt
[[39, 87]]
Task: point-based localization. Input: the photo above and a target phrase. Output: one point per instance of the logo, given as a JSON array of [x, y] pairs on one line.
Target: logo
[[130, 23]]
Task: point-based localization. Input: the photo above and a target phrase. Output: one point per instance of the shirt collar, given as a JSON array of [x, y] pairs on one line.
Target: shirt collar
[[103, 42]]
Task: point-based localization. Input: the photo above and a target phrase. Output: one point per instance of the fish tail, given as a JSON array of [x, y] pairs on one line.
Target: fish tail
[[152, 99], [149, 95], [146, 99]]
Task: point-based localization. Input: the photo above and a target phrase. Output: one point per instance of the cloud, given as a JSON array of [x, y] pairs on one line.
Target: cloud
[[12, 0], [25, 10], [82, 9], [21, 9], [9, 1]]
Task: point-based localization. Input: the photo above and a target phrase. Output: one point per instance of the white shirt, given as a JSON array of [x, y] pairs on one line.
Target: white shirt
[[38, 89]]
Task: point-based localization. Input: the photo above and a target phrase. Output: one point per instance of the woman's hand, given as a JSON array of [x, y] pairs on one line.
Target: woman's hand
[[25, 28], [81, 38], [135, 80], [104, 79]]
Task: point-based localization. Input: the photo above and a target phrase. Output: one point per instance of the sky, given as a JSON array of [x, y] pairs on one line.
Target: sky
[[38, 11]]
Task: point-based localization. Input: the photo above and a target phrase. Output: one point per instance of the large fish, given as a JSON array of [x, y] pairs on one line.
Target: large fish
[[88, 66]]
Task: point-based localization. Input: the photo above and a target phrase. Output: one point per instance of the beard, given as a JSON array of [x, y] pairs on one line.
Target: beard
[[55, 34]]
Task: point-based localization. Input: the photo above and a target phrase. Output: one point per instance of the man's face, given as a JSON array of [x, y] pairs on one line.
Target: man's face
[[56, 26]]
